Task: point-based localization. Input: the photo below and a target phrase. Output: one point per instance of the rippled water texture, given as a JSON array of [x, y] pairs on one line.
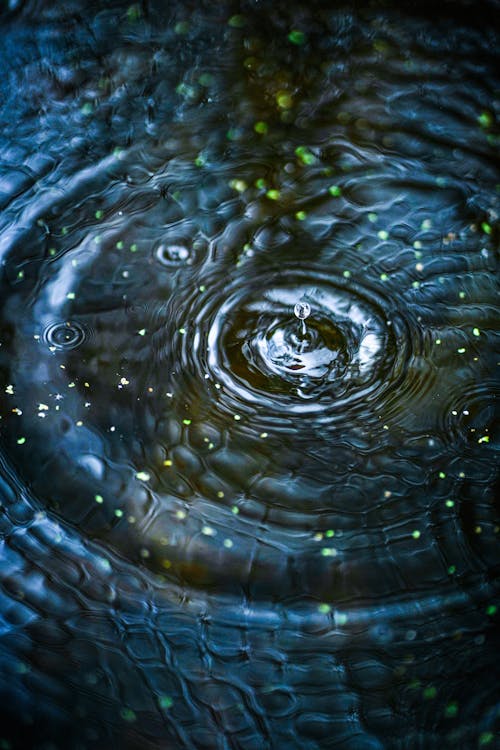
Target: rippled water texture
[[223, 524]]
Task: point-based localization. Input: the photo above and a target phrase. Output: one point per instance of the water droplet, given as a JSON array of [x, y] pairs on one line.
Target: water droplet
[[302, 310]]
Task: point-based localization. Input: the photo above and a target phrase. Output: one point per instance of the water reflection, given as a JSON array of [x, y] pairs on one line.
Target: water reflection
[[247, 363]]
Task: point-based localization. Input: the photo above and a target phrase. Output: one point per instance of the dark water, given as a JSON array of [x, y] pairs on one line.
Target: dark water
[[220, 527]]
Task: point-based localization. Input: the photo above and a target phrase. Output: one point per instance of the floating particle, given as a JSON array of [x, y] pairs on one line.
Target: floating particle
[[324, 609], [165, 701], [335, 190], [261, 127], [10, 390], [228, 543], [300, 215], [208, 531], [237, 417], [239, 185], [430, 692], [485, 119], [21, 440], [416, 534], [284, 100], [484, 439], [263, 435], [451, 710], [142, 332], [70, 295], [273, 194], [476, 331], [486, 227], [329, 552], [187, 422], [143, 476], [297, 37], [237, 22], [305, 156], [99, 499], [383, 234], [449, 503]]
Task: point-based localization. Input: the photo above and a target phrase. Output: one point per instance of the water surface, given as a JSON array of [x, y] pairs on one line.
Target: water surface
[[222, 526]]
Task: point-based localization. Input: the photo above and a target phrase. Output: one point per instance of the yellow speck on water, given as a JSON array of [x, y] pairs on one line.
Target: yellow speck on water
[[284, 100], [273, 195], [220, 493], [237, 417], [263, 435], [484, 439], [167, 462]]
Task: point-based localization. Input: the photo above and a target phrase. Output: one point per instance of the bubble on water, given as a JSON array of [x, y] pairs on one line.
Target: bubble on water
[[172, 255], [302, 310]]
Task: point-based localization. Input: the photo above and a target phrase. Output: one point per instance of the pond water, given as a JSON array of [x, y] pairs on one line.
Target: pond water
[[248, 368]]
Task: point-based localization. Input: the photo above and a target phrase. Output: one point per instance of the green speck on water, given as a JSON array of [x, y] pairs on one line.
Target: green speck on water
[[143, 476], [202, 288], [430, 692], [70, 295], [484, 439], [206, 79], [87, 109], [485, 738], [118, 513], [372, 217], [491, 610], [297, 37], [383, 234], [260, 183], [21, 440], [346, 274], [52, 251], [305, 156], [486, 227], [426, 224], [199, 161], [452, 569], [284, 100], [261, 127], [476, 331], [133, 248], [187, 422], [451, 710], [182, 331], [329, 533], [134, 13], [485, 119], [335, 190], [182, 27], [235, 510], [119, 245], [450, 503], [127, 714], [442, 475], [273, 194], [383, 277], [416, 534], [324, 609], [237, 22], [165, 701], [99, 499], [239, 185], [300, 215]]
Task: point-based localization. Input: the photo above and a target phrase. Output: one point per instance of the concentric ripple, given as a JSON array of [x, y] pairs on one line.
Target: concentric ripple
[[255, 347]]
